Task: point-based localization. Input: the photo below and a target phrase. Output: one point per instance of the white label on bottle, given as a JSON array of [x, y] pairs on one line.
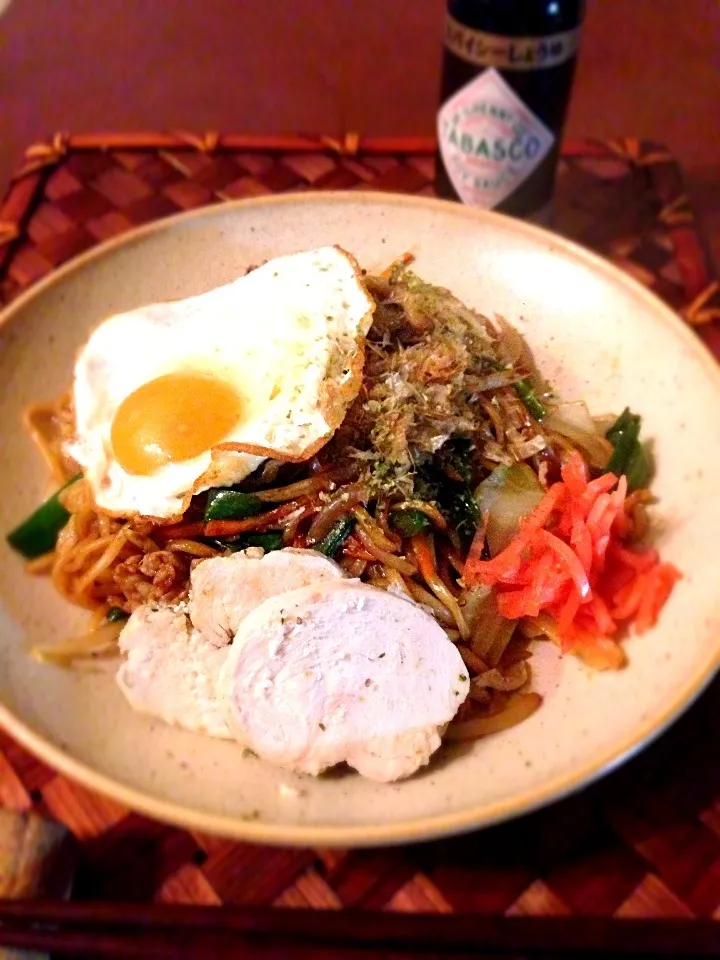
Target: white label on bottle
[[490, 141]]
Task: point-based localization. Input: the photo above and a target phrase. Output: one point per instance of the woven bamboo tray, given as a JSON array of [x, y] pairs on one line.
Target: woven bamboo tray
[[645, 842]]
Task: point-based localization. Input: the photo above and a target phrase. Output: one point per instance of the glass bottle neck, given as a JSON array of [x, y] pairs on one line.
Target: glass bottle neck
[[518, 18]]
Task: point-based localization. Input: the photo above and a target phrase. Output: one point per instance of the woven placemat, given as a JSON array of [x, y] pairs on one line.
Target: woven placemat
[[645, 842]]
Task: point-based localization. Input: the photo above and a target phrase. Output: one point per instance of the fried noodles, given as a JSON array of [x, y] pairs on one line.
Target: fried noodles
[[437, 377]]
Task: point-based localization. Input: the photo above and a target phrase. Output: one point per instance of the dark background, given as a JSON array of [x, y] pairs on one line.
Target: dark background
[[649, 68]]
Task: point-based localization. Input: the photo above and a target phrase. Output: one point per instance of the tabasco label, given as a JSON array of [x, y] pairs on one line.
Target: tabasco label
[[489, 140]]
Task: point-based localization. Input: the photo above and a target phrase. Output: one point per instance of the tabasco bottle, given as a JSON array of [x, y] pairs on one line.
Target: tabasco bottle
[[507, 74]]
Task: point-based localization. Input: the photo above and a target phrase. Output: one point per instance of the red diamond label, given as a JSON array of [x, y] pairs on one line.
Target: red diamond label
[[490, 141]]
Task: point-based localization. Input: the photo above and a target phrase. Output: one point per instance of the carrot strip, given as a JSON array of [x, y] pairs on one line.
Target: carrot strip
[[582, 543], [623, 526], [508, 560], [423, 554], [230, 528], [514, 604], [599, 609], [542, 577], [569, 559], [569, 565], [645, 616], [627, 600], [603, 484], [597, 512], [659, 584], [354, 548], [179, 531], [574, 473], [595, 488], [639, 560], [567, 614]]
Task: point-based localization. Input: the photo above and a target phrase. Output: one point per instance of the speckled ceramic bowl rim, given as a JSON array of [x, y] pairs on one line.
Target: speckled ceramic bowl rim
[[420, 828]]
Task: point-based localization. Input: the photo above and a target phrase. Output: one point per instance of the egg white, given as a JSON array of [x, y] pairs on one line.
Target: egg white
[[288, 336]]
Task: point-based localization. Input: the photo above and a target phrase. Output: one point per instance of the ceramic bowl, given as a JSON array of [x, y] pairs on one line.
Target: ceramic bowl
[[596, 334]]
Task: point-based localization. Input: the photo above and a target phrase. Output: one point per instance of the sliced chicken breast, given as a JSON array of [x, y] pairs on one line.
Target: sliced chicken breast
[[342, 672], [225, 589], [173, 662], [172, 671]]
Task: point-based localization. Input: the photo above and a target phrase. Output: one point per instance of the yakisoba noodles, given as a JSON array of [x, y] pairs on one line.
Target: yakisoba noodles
[[456, 479]]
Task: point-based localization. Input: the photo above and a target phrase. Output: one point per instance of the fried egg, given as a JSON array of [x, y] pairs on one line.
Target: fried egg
[[174, 398]]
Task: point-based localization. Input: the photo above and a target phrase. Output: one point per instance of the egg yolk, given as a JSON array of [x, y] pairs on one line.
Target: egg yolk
[[173, 418]]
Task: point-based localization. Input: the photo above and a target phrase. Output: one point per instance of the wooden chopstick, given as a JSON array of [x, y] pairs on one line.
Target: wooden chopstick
[[162, 930]]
